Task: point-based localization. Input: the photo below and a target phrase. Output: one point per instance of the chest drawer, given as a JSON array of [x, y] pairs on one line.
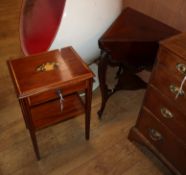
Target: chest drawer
[[172, 62], [163, 140], [169, 86], [165, 111]]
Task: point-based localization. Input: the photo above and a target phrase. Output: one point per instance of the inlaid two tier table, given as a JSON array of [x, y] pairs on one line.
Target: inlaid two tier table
[[48, 87]]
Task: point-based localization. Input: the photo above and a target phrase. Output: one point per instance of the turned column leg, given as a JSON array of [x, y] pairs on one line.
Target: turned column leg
[[102, 68]]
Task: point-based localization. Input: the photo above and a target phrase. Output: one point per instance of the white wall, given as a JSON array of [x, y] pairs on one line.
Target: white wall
[[83, 22]]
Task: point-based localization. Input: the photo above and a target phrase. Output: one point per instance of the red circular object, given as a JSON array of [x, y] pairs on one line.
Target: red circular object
[[39, 23]]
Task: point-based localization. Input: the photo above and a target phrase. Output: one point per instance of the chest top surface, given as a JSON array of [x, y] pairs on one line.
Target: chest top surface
[[35, 74], [176, 44]]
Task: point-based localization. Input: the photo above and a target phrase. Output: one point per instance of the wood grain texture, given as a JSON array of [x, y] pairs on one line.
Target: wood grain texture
[[69, 73], [171, 12]]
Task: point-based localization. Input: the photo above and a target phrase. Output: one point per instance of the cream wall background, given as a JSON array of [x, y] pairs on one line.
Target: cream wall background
[[83, 23], [171, 12]]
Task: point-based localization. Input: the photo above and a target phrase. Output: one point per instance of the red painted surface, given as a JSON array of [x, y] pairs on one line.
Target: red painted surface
[[39, 23]]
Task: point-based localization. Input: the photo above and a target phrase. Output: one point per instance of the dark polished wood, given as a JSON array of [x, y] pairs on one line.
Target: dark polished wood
[[130, 43], [38, 92], [161, 125]]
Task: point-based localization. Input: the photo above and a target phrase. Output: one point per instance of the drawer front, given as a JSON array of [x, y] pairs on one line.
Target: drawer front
[[169, 86], [172, 62], [165, 111], [165, 142], [52, 94]]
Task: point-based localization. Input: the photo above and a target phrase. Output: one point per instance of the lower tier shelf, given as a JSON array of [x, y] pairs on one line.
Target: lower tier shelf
[[50, 113]]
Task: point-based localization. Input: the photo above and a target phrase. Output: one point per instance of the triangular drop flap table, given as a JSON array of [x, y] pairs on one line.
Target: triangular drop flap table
[[48, 86]]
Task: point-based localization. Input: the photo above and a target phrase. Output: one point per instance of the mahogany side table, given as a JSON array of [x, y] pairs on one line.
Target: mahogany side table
[[131, 42], [47, 87]]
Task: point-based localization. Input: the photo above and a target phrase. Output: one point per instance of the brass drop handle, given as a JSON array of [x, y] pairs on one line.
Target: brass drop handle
[[181, 68], [175, 90], [155, 135], [166, 113]]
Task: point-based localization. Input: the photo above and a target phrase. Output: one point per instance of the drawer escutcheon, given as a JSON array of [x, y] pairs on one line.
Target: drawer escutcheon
[[181, 68], [166, 113], [155, 135]]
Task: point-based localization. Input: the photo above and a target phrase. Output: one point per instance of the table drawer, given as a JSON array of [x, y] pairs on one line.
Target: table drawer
[[172, 62], [169, 86], [165, 111], [52, 94], [165, 142]]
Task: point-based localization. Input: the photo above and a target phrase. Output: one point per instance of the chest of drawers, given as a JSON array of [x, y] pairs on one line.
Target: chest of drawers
[[161, 124]]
